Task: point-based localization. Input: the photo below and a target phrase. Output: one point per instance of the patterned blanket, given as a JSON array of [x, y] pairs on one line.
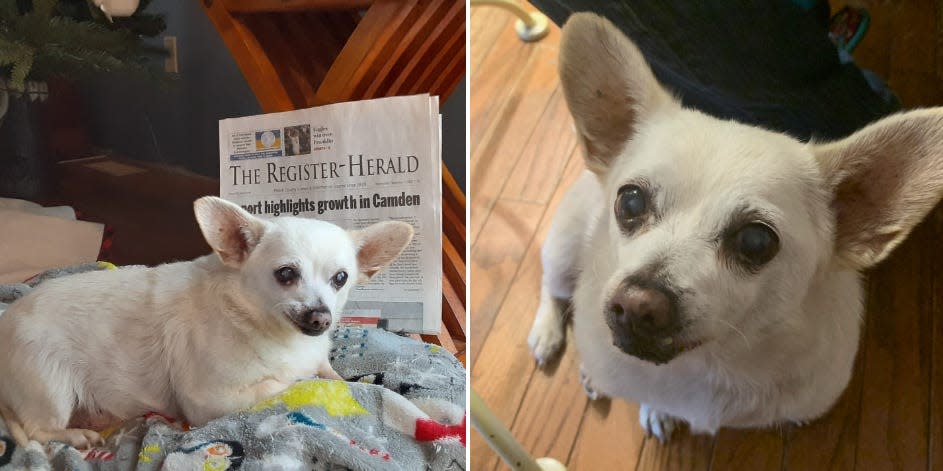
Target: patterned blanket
[[402, 407]]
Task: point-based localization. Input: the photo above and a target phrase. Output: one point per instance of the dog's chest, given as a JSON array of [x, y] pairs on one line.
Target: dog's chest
[[293, 360]]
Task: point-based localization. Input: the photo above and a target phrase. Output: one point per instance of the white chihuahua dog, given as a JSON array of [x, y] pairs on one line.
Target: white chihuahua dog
[[713, 267], [193, 340]]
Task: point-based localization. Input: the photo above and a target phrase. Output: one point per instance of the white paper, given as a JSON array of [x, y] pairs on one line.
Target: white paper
[[352, 164], [31, 243]]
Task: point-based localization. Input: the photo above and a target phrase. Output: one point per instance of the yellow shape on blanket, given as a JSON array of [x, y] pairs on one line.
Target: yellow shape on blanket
[[333, 395], [143, 456], [110, 430], [106, 265], [216, 463]]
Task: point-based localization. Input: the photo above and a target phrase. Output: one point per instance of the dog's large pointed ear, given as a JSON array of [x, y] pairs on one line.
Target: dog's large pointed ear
[[378, 245], [884, 179], [230, 230], [608, 86]]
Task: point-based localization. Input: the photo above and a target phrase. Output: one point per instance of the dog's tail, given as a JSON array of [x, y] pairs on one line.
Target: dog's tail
[[19, 435]]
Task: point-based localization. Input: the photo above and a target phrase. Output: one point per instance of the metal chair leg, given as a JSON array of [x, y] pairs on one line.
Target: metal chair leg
[[501, 441], [531, 26]]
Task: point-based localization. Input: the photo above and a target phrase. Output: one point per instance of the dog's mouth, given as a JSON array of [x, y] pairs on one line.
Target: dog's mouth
[[311, 324], [308, 329], [652, 349]]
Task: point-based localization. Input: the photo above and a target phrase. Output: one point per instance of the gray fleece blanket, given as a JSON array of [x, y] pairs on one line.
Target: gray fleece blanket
[[401, 408]]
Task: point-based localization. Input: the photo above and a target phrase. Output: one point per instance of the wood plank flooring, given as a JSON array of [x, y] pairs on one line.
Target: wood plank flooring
[[524, 156]]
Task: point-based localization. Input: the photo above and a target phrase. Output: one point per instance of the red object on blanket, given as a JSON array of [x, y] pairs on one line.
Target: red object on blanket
[[185, 426], [429, 430], [108, 238]]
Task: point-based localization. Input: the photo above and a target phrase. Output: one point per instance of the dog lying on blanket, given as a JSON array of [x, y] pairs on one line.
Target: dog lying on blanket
[[713, 267], [194, 340]]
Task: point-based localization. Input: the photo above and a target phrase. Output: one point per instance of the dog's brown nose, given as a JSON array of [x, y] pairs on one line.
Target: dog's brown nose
[[316, 321], [641, 309], [321, 322], [644, 320]]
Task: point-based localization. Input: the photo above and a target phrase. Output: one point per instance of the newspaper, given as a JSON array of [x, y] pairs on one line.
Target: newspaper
[[352, 164]]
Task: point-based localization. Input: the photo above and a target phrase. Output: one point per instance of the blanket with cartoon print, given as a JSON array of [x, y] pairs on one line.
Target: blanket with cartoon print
[[401, 408]]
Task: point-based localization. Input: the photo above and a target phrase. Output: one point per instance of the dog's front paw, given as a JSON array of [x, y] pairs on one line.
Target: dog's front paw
[[545, 342], [656, 423], [546, 335], [329, 373], [81, 439], [588, 387]]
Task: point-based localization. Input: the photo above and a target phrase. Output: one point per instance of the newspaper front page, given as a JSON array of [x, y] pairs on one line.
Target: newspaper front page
[[352, 164]]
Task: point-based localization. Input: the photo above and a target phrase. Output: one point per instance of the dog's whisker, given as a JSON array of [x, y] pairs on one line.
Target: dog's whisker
[[735, 329], [280, 305]]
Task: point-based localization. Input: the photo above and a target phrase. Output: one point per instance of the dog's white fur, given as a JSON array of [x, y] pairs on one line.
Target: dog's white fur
[[769, 347], [192, 340]]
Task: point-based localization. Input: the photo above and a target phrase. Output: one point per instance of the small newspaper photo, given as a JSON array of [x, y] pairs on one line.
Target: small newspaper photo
[[352, 164]]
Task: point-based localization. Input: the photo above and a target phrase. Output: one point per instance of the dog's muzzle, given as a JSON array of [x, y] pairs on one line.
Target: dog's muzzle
[[644, 321], [313, 321]]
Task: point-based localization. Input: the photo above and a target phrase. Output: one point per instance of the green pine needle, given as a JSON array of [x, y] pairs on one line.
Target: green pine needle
[[41, 44]]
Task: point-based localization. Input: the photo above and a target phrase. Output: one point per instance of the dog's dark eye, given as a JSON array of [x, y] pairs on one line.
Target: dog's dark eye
[[339, 279], [286, 275], [631, 204], [756, 243]]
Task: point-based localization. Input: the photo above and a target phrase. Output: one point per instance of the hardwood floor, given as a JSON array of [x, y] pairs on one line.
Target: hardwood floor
[[524, 156]]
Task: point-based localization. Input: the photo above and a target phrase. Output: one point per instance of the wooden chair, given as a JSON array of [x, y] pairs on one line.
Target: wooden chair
[[302, 53]]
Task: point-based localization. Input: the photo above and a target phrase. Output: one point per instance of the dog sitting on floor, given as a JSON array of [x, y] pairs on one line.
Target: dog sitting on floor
[[713, 267], [194, 340]]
